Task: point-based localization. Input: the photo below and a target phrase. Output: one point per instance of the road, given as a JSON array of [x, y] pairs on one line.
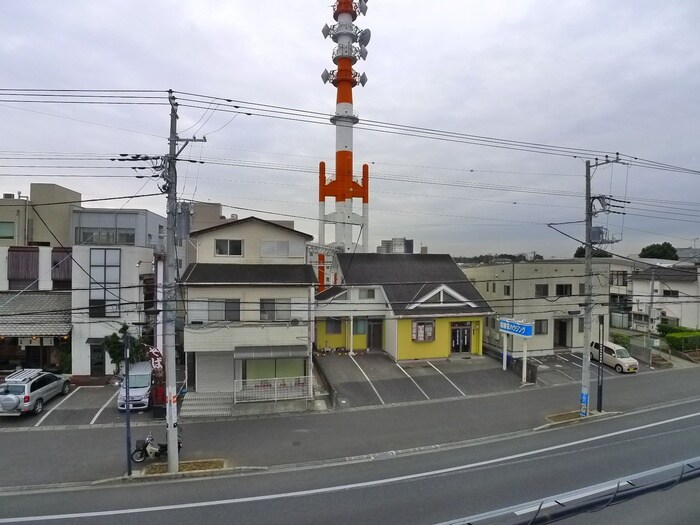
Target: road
[[427, 487]]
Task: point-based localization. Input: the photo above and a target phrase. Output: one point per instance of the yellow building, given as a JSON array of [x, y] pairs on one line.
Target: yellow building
[[411, 306]]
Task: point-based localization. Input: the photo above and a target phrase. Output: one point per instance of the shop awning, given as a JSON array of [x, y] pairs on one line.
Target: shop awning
[[270, 352], [30, 314]]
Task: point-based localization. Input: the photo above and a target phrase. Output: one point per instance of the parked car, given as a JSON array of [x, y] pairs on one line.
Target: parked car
[[140, 387], [615, 356], [29, 389]]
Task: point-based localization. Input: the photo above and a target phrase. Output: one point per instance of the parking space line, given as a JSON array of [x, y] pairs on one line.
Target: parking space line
[[414, 381], [367, 378], [536, 360], [594, 365], [56, 406], [543, 381], [448, 379], [560, 357], [566, 375], [103, 407]]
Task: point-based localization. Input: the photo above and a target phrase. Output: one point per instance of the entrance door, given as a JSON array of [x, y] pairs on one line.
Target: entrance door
[[97, 361], [561, 333], [461, 338], [374, 334]]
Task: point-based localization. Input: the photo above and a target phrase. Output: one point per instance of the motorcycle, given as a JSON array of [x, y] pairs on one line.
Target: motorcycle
[[145, 448]]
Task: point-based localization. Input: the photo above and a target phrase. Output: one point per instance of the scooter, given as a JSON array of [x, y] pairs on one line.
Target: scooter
[[145, 448]]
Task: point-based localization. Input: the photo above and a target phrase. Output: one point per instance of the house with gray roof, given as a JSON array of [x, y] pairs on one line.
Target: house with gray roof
[[248, 298], [411, 306]]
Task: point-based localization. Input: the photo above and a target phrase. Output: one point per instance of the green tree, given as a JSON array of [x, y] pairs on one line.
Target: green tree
[[581, 252], [659, 251], [113, 344]]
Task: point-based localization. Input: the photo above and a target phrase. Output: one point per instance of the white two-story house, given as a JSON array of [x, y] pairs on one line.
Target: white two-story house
[[249, 311]]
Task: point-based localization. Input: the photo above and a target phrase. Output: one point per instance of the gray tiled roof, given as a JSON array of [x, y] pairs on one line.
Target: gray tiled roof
[[408, 277], [35, 314], [271, 274]]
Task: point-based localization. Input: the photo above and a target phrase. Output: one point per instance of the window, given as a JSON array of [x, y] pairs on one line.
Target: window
[[506, 289], [7, 230], [540, 326], [105, 275], [359, 326], [333, 325], [563, 290], [274, 248], [126, 236], [582, 289], [670, 293], [87, 235], [229, 247], [423, 331], [541, 290], [366, 294], [618, 278], [225, 310], [23, 268], [61, 268], [580, 324], [275, 309]]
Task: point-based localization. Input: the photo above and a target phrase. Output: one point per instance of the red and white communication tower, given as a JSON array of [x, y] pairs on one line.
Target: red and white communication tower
[[343, 188]]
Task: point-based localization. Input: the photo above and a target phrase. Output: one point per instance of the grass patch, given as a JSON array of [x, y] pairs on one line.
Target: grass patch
[[187, 466]]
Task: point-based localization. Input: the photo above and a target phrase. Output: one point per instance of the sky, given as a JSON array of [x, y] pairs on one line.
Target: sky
[[612, 76]]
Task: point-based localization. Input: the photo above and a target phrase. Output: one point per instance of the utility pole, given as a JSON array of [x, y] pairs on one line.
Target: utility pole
[[169, 287], [588, 288]]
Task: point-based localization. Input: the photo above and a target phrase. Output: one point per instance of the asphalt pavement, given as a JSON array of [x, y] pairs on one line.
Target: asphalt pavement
[[38, 455]]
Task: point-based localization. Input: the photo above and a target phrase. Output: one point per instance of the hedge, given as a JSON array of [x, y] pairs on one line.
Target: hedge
[[665, 329], [684, 341]]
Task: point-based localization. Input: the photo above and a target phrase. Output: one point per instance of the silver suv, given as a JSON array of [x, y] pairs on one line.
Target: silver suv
[[29, 389]]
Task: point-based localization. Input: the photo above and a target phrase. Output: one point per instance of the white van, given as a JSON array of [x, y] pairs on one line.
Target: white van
[[615, 356], [140, 387]]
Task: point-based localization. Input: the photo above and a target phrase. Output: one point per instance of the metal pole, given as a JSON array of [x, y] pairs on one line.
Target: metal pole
[[588, 307], [505, 349], [128, 404], [169, 295], [524, 361], [600, 362]]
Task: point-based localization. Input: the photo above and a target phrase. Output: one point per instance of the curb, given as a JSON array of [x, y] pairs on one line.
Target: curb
[[592, 416]]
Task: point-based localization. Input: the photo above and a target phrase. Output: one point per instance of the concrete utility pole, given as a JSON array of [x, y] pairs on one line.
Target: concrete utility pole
[[588, 288], [170, 284]]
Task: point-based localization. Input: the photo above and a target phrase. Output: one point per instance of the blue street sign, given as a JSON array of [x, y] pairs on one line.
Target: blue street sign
[[516, 328]]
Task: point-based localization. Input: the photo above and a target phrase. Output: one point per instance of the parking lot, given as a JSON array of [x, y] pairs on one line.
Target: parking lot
[[84, 405], [372, 378]]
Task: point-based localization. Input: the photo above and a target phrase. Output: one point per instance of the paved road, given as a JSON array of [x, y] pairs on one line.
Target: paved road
[[69, 454], [432, 487]]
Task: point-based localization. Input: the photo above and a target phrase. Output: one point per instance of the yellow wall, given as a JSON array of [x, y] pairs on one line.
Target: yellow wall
[[324, 340], [440, 347]]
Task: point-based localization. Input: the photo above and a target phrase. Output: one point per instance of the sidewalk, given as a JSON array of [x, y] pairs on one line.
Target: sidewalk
[[89, 453]]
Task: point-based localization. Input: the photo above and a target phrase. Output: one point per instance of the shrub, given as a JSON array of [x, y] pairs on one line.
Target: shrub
[[665, 329], [620, 339], [684, 341]]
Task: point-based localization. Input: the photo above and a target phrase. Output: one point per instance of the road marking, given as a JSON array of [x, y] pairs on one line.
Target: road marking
[[448, 379], [567, 375], [536, 360], [56, 406], [103, 407], [543, 381], [367, 378], [346, 487], [414, 381], [560, 357]]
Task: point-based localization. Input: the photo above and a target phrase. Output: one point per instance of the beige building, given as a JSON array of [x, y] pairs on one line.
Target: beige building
[[249, 296], [547, 293]]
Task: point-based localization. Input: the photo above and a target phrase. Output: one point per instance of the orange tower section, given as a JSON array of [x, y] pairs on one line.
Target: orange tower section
[[343, 188]]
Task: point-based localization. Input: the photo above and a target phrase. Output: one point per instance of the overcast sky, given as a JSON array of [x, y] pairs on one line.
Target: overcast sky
[[619, 75]]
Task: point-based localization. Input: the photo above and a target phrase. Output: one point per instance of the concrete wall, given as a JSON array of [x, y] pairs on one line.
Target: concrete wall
[[57, 216]]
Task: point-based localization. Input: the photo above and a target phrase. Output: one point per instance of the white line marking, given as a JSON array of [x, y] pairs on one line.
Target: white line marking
[[536, 360], [55, 407], [103, 407], [349, 486], [560, 357], [567, 375], [543, 381], [414, 381], [448, 379], [367, 378]]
